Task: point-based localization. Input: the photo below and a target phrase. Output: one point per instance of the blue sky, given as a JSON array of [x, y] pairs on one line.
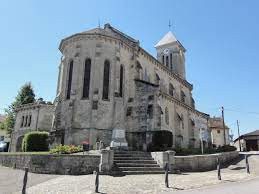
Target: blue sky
[[221, 38]]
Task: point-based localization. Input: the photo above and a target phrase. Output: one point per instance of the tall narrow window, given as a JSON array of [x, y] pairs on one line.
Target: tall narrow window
[[166, 116], [171, 61], [29, 122], [26, 120], [22, 121], [171, 89], [167, 61], [163, 59], [182, 121], [182, 96], [106, 79], [121, 80], [70, 73], [87, 77], [150, 111]]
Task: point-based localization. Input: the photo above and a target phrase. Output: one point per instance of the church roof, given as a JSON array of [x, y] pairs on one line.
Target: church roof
[[167, 39]]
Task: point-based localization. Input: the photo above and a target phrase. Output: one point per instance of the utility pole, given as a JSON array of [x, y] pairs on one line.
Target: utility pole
[[238, 136], [224, 131]]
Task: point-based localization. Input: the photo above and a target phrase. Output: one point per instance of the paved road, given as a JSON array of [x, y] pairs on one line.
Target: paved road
[[247, 187], [235, 180], [11, 180]]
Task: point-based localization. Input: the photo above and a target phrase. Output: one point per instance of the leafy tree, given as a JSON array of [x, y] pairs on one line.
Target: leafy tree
[[8, 123], [25, 95]]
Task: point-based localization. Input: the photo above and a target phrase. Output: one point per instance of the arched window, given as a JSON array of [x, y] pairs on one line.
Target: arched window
[[106, 80], [121, 81], [69, 81], [182, 96], [166, 116], [29, 123], [178, 120], [171, 61], [171, 89], [87, 77], [150, 111], [163, 59], [167, 61], [22, 121], [26, 120]]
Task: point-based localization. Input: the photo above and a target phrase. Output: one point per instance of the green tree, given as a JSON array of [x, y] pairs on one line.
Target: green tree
[[25, 95], [8, 123]]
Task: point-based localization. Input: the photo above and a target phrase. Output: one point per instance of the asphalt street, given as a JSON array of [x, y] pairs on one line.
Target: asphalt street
[[247, 187]]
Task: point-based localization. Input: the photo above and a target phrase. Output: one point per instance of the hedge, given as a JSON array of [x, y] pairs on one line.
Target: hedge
[[35, 141], [197, 151]]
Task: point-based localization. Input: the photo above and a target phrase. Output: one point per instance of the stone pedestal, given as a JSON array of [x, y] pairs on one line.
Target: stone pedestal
[[106, 162], [119, 139], [171, 159], [165, 157]]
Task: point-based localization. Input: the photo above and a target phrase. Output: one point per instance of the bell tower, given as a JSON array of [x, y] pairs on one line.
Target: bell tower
[[170, 52]]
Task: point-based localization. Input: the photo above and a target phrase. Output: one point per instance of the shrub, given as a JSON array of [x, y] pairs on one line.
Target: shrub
[[196, 151], [35, 141], [226, 148], [66, 149], [187, 151]]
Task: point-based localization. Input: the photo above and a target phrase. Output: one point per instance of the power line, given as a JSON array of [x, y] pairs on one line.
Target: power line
[[240, 111]]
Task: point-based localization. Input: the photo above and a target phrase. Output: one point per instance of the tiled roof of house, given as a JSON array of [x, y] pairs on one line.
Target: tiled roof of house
[[253, 133], [216, 122]]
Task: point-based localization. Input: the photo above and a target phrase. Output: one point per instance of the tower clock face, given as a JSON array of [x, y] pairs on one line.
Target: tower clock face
[[166, 51]]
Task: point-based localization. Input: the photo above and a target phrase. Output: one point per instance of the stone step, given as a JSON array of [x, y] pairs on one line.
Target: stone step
[[132, 155], [142, 172], [131, 152], [136, 165], [140, 169], [133, 158], [136, 161]]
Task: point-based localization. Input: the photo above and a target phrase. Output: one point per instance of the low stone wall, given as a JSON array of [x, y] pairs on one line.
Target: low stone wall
[[52, 164], [198, 163]]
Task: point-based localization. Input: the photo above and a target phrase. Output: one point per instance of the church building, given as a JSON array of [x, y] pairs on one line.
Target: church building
[[108, 81]]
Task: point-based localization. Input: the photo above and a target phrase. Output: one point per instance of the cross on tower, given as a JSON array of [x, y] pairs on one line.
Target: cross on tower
[[169, 25]]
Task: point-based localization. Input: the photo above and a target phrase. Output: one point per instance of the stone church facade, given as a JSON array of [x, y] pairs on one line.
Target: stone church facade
[[107, 81]]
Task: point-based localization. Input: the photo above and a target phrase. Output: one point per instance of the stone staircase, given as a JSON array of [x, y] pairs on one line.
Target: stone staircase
[[135, 162]]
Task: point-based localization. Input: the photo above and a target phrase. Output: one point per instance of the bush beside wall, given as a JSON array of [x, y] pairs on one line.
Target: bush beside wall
[[35, 141]]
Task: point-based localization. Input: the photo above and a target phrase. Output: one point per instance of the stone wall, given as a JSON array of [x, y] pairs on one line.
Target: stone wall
[[194, 163], [198, 163], [52, 164]]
